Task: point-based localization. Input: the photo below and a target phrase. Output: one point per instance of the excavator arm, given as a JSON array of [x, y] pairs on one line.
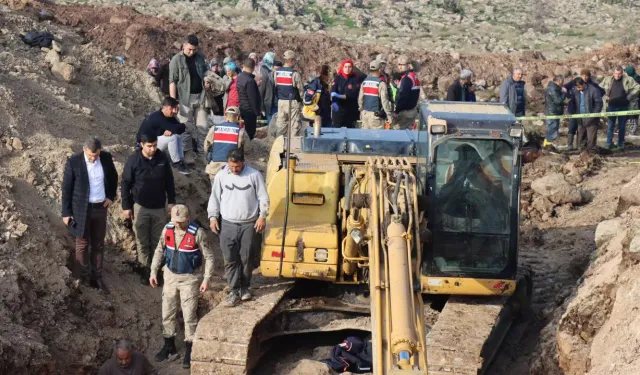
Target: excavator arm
[[394, 258]]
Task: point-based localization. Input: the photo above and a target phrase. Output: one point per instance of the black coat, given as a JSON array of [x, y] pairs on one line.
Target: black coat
[[345, 112], [592, 101], [454, 93], [554, 100], [75, 188], [250, 100]]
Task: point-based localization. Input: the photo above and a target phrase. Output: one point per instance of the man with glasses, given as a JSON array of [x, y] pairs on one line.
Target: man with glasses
[[407, 96], [186, 76]]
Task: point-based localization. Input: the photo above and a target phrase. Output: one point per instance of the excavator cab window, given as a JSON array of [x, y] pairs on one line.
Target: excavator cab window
[[470, 213]]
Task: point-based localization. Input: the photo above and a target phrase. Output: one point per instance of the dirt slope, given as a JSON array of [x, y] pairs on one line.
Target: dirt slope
[[47, 325]]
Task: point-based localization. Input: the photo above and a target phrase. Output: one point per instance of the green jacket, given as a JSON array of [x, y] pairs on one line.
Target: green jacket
[[179, 72], [631, 87]]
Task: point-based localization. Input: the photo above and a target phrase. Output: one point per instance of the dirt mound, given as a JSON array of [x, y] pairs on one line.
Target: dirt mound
[[138, 38]]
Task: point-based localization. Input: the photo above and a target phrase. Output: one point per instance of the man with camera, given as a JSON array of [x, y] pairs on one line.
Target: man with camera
[[373, 99], [89, 188]]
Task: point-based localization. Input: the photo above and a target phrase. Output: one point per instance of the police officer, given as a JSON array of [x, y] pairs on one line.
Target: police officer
[[182, 247], [373, 99], [383, 65], [221, 139], [289, 86], [407, 96]]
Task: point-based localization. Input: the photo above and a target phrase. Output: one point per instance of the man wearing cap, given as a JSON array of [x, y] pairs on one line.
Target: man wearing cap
[[289, 87], [407, 96], [183, 249], [373, 99], [382, 58], [221, 139], [461, 90], [186, 76]]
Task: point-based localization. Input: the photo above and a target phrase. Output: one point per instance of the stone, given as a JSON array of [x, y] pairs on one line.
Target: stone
[[56, 47], [118, 20], [87, 111], [634, 246], [606, 230], [17, 144], [52, 57], [455, 55], [321, 352], [607, 46], [542, 205], [630, 192], [64, 71], [554, 187]]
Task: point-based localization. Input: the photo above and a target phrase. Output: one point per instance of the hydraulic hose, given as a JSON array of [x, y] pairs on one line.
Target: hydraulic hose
[[286, 189]]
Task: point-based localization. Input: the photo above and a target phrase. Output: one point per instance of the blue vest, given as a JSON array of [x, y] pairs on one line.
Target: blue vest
[[225, 139], [371, 94], [284, 84], [185, 257]]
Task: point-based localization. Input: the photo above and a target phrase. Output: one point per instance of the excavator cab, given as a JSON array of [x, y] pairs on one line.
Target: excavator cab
[[470, 170]]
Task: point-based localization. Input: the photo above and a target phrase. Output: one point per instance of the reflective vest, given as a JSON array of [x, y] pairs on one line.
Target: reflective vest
[[284, 84], [371, 94], [225, 139], [187, 257]]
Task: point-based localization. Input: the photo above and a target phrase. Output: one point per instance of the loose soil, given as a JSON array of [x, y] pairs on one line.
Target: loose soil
[[48, 325]]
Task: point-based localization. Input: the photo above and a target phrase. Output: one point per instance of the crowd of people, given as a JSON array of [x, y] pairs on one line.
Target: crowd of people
[[215, 114], [616, 93], [172, 253]]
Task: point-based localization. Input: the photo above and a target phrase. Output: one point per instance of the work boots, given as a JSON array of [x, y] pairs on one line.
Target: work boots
[[570, 142], [187, 355], [168, 349], [145, 274]]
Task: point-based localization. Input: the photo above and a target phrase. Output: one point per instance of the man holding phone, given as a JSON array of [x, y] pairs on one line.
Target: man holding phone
[[89, 187]]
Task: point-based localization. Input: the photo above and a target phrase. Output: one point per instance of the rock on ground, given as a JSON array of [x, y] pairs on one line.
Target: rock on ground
[[557, 190]]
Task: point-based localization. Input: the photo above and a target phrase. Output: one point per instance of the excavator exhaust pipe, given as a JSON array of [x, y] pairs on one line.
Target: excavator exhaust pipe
[[404, 339]]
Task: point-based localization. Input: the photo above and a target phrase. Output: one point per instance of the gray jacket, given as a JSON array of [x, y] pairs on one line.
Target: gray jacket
[[238, 198], [266, 88], [179, 73], [509, 95]]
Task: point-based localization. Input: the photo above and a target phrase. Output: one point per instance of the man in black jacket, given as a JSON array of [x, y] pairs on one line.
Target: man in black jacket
[[553, 106], [89, 187], [462, 89], [250, 100], [168, 129], [588, 100], [572, 109], [147, 186]]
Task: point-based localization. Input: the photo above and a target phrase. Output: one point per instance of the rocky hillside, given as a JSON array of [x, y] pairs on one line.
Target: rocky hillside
[[557, 28]]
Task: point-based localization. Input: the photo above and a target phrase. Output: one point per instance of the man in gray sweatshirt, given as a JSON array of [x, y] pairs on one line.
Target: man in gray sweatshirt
[[239, 196]]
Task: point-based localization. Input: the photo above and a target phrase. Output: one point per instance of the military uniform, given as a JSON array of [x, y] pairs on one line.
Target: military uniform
[[408, 95], [289, 86], [374, 98], [183, 253], [221, 139]]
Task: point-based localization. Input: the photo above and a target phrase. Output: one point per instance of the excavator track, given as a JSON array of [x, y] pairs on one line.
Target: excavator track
[[224, 342], [232, 340], [469, 330]]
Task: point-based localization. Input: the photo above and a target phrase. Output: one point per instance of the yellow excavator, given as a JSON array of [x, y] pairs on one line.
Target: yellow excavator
[[367, 224]]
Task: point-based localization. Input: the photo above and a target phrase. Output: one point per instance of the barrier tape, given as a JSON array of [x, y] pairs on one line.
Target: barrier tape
[[585, 115]]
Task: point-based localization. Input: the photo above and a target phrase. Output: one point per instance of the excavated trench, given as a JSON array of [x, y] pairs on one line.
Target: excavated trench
[[557, 239]]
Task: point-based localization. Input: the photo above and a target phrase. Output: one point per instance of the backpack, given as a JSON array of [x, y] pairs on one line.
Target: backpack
[[353, 354]]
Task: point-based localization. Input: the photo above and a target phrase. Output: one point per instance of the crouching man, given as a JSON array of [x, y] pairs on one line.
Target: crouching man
[[182, 247]]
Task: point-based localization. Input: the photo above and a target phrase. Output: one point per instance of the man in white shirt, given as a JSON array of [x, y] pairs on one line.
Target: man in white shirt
[[88, 189]]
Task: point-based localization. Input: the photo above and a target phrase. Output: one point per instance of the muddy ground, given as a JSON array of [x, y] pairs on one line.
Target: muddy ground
[[50, 326]]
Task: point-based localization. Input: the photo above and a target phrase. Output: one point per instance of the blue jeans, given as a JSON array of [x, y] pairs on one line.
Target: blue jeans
[[573, 126], [552, 130], [611, 125], [274, 111]]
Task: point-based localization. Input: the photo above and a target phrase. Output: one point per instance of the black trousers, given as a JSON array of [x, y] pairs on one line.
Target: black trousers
[[250, 121]]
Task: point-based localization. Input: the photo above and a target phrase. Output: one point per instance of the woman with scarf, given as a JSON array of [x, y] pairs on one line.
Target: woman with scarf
[[344, 96], [267, 85]]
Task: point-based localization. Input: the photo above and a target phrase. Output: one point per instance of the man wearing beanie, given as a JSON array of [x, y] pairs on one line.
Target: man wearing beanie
[[461, 90]]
